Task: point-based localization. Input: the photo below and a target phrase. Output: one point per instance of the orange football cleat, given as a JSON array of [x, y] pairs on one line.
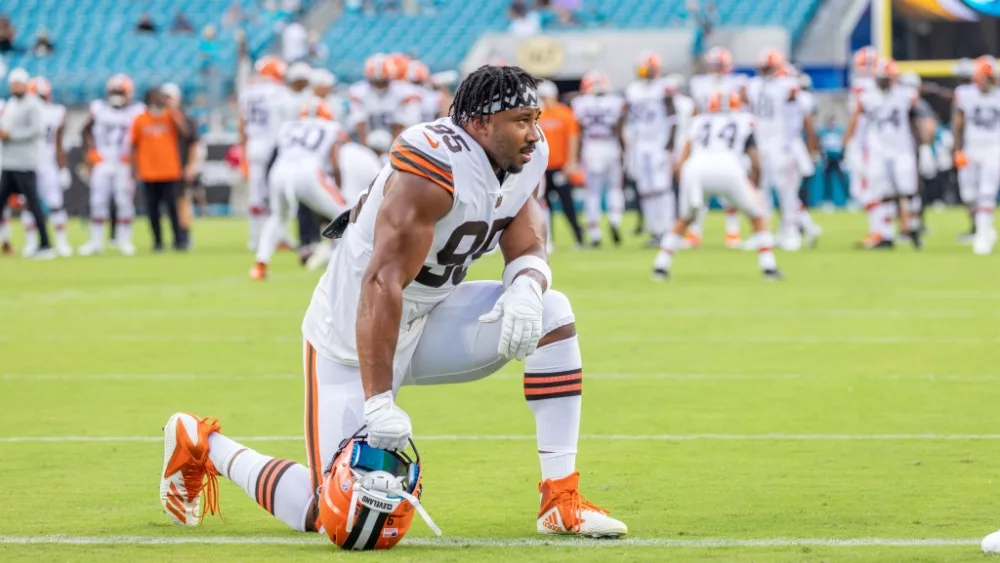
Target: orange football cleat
[[692, 239], [564, 511], [187, 470], [258, 271], [733, 240]]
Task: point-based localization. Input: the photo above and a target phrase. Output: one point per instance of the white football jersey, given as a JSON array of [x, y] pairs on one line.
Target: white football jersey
[[431, 103], [796, 112], [483, 207], [859, 85], [769, 97], [112, 127], [308, 141], [702, 86], [888, 130], [55, 115], [398, 104], [647, 115], [685, 110], [982, 116], [598, 116], [261, 106], [721, 132]]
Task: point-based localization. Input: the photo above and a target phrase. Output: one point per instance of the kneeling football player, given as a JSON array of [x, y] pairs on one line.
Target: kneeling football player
[[392, 310]]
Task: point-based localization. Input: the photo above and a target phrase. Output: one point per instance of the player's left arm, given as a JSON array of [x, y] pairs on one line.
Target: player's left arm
[[60, 152], [525, 238]]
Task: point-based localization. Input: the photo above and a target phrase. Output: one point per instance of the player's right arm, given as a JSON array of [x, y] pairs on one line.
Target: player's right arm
[[958, 132], [852, 124], [404, 231]]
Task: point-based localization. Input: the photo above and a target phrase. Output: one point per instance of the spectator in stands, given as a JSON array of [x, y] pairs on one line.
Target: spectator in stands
[[703, 14], [156, 162], [181, 24], [523, 21], [145, 24], [43, 46], [190, 161], [7, 34], [566, 11]]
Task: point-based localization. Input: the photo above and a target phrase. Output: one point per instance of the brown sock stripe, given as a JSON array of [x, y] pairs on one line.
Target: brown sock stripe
[[262, 479], [272, 483], [229, 466]]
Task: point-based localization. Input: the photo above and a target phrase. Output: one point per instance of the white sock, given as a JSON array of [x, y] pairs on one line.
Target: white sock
[[280, 486], [268, 240], [59, 220], [888, 213], [97, 232], [124, 232], [765, 250], [553, 385], [668, 246], [874, 219], [984, 220], [258, 215], [732, 221], [805, 220], [30, 229], [616, 206]]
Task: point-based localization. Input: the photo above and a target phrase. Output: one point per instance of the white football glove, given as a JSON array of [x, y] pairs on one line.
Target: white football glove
[[520, 307], [925, 162], [388, 425], [65, 179]]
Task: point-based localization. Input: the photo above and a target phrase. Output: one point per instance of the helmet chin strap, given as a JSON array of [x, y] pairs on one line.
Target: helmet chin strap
[[381, 482]]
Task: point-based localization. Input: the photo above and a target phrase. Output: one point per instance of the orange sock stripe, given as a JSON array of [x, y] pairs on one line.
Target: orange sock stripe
[[312, 419], [539, 381], [262, 479]]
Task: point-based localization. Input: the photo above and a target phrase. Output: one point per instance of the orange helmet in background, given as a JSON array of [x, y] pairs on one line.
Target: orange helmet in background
[[272, 67], [316, 108], [417, 72], [650, 65], [771, 60], [401, 62], [719, 59], [865, 60], [40, 87], [369, 496], [381, 67], [121, 83], [886, 68], [719, 102], [595, 82], [984, 71]]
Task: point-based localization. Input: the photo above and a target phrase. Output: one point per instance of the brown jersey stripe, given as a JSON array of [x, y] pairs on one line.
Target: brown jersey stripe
[[414, 149]]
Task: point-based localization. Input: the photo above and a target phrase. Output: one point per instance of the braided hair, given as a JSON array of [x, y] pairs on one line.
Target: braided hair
[[486, 84]]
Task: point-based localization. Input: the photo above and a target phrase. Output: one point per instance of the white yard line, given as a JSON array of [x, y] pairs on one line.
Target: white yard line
[[770, 437], [446, 542]]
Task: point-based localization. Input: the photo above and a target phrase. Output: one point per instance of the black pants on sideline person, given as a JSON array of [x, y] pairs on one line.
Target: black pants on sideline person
[[308, 226], [26, 184], [165, 193], [564, 191]]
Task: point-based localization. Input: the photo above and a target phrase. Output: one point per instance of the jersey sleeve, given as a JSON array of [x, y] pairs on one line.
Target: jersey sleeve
[[424, 153]]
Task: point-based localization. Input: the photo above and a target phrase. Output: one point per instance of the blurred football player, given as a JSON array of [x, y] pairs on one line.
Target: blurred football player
[[323, 82], [804, 139], [856, 152], [381, 101], [648, 134], [454, 190], [600, 115], [106, 143], [712, 165], [976, 128], [770, 93], [431, 99], [52, 174], [306, 148], [719, 78], [894, 137], [260, 102]]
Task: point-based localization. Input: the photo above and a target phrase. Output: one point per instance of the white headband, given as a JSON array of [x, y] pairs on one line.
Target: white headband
[[524, 96]]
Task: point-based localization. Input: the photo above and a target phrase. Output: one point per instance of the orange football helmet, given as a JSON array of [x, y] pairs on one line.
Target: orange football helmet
[[401, 62], [381, 67], [595, 82], [719, 60], [650, 65], [122, 84], [40, 87], [316, 108], [271, 67], [369, 496], [771, 60], [865, 60], [720, 102], [417, 72], [984, 71]]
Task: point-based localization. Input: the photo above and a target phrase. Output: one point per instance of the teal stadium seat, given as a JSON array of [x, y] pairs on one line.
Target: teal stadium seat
[[95, 39]]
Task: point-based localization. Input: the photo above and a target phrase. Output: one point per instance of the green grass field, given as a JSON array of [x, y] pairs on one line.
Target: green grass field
[[848, 413]]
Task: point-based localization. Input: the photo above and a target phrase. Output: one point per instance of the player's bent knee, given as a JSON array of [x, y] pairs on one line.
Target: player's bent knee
[[557, 317]]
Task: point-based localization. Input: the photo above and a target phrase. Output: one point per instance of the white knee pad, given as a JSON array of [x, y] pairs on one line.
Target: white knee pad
[[556, 311]]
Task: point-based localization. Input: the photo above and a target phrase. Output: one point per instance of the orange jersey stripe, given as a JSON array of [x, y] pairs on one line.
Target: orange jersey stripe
[[529, 380], [553, 390], [399, 163]]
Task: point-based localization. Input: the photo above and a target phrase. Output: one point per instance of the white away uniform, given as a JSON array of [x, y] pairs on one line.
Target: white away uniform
[[856, 151], [112, 176], [978, 182], [441, 339], [797, 110], [263, 105], [648, 131], [431, 103], [718, 143], [892, 150], [702, 86], [359, 166], [769, 98], [299, 175], [398, 104], [601, 156], [48, 167]]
